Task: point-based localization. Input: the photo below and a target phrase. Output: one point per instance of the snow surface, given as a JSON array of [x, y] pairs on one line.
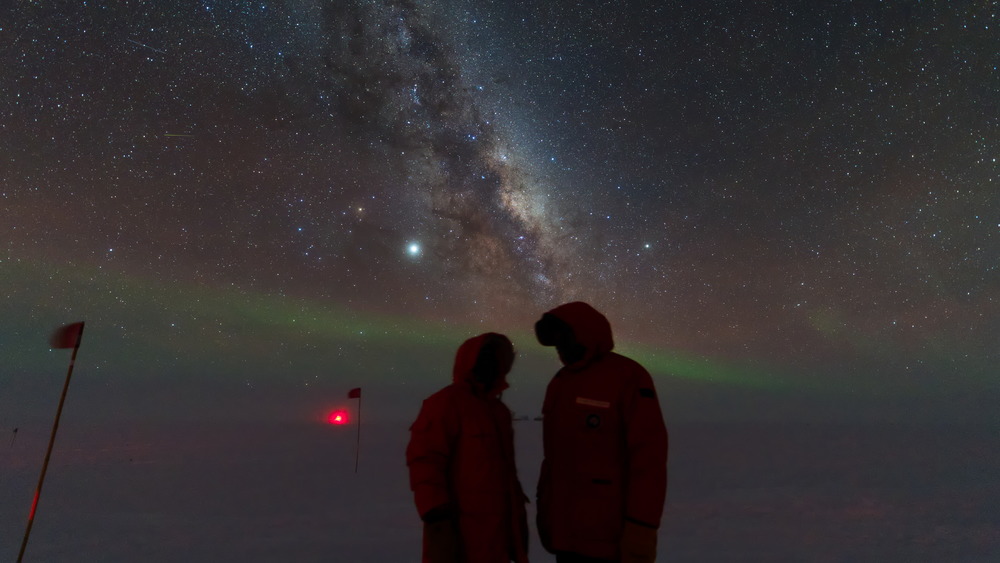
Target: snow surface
[[194, 487]]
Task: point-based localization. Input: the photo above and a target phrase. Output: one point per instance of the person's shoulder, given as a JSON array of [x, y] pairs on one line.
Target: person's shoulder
[[626, 367], [623, 362], [444, 395], [500, 405], [444, 403]]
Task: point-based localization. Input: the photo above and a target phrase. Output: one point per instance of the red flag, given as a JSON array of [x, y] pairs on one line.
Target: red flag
[[354, 393], [67, 336]]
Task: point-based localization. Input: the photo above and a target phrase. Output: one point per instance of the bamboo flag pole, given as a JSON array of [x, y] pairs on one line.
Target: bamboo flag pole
[[357, 445], [68, 336], [356, 394]]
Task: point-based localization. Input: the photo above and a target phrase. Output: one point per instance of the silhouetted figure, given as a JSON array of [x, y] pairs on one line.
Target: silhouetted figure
[[604, 475], [461, 460]]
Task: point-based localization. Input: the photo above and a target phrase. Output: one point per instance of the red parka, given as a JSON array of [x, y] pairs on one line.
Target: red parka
[[605, 445], [461, 454]]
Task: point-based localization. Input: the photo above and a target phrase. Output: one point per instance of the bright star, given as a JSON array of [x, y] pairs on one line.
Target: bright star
[[413, 249]]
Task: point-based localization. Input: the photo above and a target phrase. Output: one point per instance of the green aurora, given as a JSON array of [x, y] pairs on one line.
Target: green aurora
[[146, 327]]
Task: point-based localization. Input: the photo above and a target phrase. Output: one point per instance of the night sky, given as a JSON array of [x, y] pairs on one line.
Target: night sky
[[789, 212], [807, 188]]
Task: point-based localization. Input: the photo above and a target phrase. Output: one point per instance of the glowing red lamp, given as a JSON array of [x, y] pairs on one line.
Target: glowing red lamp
[[338, 417]]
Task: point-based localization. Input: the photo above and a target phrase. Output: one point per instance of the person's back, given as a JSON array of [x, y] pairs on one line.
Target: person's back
[[461, 461], [603, 479]]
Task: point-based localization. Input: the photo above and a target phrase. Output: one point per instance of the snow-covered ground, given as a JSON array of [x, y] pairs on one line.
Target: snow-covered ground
[[197, 487]]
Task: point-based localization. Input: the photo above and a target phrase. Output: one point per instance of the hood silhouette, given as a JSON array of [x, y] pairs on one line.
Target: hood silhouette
[[590, 328], [468, 354]]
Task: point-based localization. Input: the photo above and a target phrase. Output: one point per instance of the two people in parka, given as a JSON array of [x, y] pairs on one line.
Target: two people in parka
[[604, 474]]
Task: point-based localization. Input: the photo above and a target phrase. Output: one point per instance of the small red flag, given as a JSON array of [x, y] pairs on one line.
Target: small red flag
[[67, 336], [354, 393]]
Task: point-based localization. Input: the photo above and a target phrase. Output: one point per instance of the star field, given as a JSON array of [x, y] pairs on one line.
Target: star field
[[794, 183]]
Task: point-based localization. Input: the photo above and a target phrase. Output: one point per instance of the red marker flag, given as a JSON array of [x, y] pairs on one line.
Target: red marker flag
[[354, 393], [66, 336]]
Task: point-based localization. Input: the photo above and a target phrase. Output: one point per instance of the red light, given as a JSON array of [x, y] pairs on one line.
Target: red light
[[337, 417]]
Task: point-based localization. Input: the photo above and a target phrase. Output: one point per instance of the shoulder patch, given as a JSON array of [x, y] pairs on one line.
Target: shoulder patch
[[647, 392], [593, 403]]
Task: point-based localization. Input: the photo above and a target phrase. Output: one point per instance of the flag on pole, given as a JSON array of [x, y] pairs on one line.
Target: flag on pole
[[356, 394], [66, 336]]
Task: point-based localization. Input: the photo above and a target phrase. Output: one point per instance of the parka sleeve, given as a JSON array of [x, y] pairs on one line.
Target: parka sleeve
[[646, 440], [432, 442]]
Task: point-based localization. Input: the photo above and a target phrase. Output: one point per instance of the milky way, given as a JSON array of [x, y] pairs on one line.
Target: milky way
[[403, 87], [795, 184]]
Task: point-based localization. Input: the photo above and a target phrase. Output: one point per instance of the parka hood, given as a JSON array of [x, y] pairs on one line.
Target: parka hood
[[590, 327], [468, 353]]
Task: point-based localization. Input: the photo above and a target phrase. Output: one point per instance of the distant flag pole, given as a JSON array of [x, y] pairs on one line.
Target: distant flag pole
[[356, 394], [68, 336]]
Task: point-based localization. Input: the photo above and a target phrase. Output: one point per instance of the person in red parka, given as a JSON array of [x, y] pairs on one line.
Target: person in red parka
[[603, 480], [461, 461]]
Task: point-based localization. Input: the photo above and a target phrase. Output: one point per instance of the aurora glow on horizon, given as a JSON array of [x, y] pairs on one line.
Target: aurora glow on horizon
[[208, 320]]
